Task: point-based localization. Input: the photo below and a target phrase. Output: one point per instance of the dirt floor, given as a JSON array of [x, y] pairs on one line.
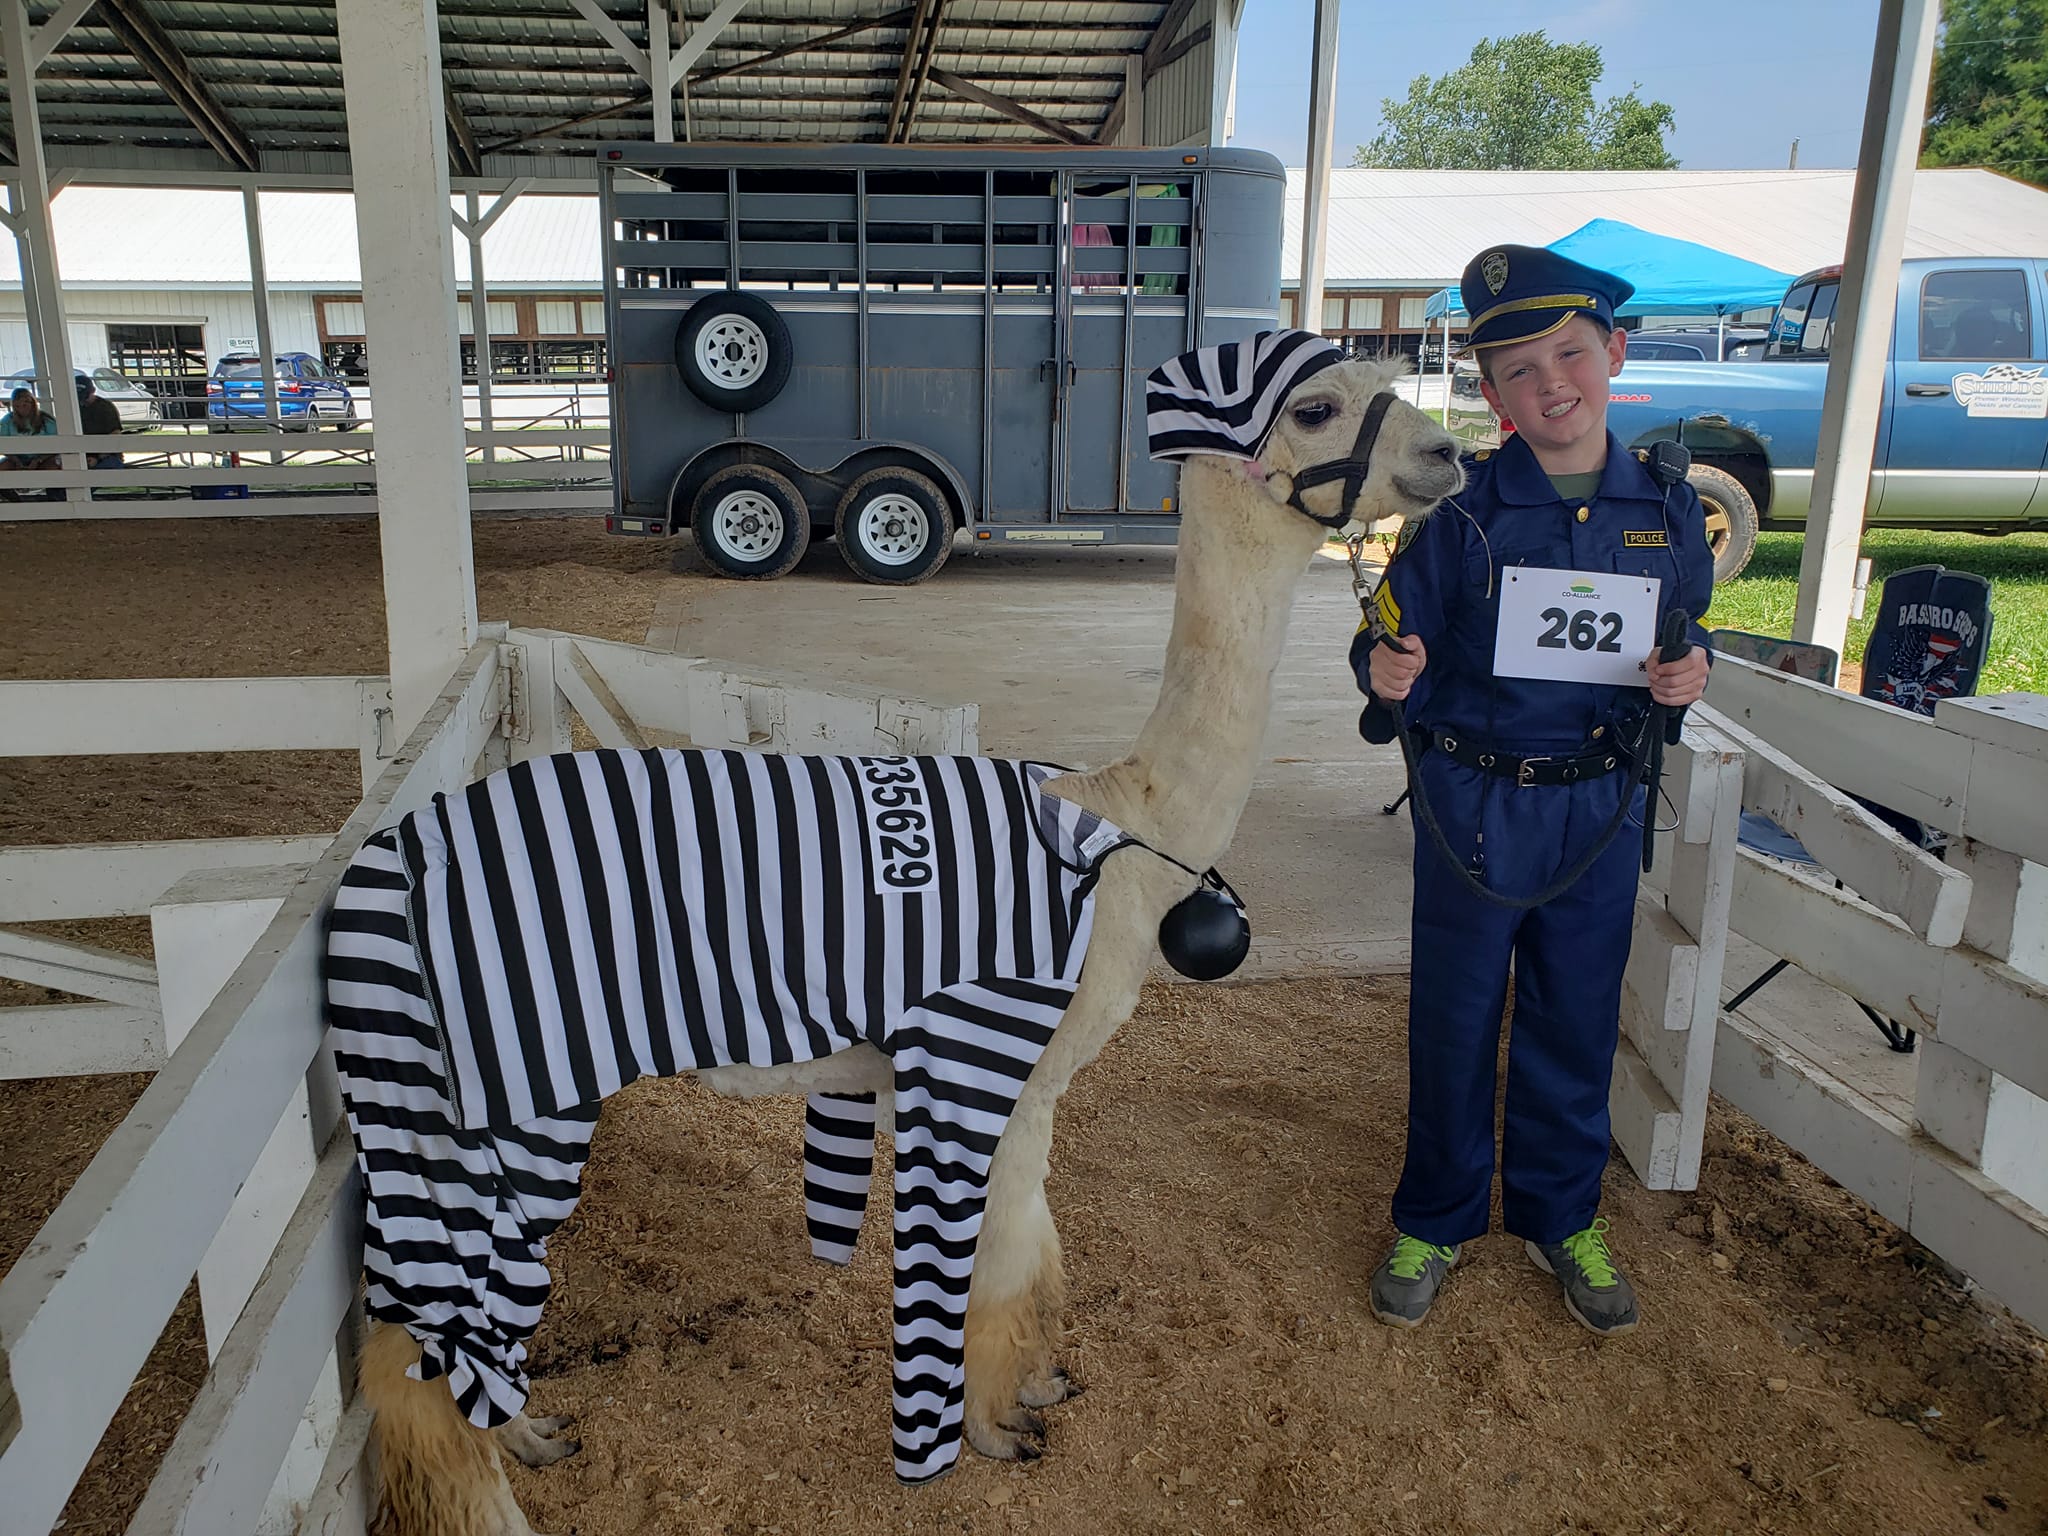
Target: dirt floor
[[1220, 1178]]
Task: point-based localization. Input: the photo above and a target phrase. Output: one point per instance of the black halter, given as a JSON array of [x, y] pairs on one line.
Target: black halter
[[1352, 470]]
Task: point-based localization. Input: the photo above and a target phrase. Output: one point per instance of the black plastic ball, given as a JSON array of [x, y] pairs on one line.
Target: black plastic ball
[[1205, 936]]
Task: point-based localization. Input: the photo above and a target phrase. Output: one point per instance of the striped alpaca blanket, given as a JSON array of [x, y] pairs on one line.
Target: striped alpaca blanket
[[501, 961]]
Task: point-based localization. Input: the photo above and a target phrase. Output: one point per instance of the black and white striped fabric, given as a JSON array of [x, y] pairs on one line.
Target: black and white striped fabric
[[1225, 399], [503, 960]]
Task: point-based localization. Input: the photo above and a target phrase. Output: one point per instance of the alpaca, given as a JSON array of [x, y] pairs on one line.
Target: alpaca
[[1251, 522]]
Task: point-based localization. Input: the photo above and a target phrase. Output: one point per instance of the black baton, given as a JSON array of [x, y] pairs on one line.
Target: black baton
[[1666, 724]]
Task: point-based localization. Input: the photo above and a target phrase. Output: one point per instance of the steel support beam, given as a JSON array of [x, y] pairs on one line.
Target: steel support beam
[[1315, 208], [41, 285], [55, 30], [1893, 115], [469, 160], [1015, 110], [259, 290], [168, 66], [908, 68], [662, 72], [397, 127], [924, 70]]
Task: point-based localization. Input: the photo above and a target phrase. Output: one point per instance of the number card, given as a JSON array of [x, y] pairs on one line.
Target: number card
[[1576, 626], [899, 825]]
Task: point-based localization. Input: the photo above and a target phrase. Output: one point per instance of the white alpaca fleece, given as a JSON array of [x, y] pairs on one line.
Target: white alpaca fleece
[[503, 960]]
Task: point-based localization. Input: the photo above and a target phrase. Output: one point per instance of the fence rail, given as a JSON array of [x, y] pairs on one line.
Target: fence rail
[[1955, 950]]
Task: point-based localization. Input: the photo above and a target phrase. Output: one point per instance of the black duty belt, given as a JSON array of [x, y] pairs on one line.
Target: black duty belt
[[1571, 769]]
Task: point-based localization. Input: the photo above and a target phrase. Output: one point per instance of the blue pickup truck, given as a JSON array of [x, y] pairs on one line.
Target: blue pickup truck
[[1962, 442]]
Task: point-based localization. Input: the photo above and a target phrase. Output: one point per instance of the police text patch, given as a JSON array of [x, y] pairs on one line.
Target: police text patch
[[1655, 539]]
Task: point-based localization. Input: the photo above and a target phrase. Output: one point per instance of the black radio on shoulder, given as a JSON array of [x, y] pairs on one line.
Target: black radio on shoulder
[[1669, 462], [1206, 934]]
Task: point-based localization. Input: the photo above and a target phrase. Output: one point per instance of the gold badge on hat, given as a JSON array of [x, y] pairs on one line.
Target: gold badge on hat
[[1494, 268]]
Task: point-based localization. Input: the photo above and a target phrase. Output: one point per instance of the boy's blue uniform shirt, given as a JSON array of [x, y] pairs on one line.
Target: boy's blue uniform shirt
[[1567, 955], [1444, 586]]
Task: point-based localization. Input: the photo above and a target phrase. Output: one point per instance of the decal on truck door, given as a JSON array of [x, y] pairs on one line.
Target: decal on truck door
[[2005, 390]]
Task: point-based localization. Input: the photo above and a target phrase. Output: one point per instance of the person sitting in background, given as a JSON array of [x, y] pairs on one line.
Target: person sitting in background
[[98, 417], [26, 418]]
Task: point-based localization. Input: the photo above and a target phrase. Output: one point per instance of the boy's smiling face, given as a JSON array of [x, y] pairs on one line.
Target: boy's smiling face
[[1554, 389]]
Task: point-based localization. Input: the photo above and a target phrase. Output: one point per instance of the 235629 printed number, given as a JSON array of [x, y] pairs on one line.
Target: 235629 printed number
[[898, 825]]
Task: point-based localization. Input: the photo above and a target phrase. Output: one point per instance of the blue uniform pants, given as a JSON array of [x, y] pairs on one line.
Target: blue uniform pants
[[1568, 957]]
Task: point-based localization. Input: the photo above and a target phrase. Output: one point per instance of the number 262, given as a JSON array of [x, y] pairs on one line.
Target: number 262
[[1577, 630]]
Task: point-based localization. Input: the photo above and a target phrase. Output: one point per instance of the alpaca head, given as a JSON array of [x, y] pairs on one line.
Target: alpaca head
[[1412, 463]]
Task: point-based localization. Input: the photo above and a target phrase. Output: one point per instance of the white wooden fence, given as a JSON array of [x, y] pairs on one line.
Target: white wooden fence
[[233, 1164], [1956, 951]]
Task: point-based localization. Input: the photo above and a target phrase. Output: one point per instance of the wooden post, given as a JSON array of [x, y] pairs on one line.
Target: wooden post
[[1322, 138], [1893, 114], [398, 145]]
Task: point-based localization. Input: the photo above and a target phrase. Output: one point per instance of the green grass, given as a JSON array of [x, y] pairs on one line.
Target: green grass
[[1763, 597]]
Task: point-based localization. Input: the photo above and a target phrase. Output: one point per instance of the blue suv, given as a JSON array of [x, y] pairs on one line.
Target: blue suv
[[309, 395]]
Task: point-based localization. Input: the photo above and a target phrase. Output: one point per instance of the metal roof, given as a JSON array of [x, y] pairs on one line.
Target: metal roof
[[1417, 229], [196, 82]]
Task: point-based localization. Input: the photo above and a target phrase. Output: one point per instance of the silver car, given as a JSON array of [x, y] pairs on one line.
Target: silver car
[[140, 410]]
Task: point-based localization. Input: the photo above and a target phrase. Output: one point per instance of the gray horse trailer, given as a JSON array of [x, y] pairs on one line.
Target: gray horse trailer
[[889, 345]]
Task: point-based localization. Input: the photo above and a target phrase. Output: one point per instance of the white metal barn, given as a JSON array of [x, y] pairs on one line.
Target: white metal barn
[[232, 1166]]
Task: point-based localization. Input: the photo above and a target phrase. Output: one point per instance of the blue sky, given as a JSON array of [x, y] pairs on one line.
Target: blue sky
[[1764, 74]]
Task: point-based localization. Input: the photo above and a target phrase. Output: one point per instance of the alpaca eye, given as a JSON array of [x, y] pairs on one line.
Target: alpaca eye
[[1315, 413]]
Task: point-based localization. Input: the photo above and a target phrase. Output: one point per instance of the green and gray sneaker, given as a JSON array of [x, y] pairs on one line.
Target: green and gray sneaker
[[1404, 1287], [1596, 1292]]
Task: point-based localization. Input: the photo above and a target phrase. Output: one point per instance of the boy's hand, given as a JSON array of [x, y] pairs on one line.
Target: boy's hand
[[1676, 683], [1393, 672]]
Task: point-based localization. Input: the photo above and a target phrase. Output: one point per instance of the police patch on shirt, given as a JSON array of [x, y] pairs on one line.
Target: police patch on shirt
[[1656, 538]]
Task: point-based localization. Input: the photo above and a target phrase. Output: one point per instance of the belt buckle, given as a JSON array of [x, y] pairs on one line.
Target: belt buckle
[[1525, 771]]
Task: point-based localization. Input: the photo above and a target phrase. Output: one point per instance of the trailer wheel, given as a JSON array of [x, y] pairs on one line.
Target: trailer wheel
[[733, 351], [1731, 518], [750, 523], [894, 527]]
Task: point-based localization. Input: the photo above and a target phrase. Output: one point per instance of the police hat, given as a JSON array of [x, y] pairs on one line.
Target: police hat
[[1520, 292]]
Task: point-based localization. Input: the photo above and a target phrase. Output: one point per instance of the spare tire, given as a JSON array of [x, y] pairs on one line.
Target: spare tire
[[733, 351]]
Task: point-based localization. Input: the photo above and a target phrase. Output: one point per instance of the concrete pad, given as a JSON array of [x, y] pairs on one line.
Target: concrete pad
[[1062, 650]]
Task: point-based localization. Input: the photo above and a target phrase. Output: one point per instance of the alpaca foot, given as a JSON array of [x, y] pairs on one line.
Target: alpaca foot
[[1044, 1388], [533, 1442], [1018, 1435]]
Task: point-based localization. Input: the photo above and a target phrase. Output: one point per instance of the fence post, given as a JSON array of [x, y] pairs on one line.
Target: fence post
[[1989, 1121], [202, 929]]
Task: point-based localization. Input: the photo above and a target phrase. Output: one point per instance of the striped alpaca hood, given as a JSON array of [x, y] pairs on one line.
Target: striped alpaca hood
[[1227, 399]]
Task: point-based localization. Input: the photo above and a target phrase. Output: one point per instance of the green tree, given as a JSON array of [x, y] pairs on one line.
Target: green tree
[[1521, 103], [1988, 104]]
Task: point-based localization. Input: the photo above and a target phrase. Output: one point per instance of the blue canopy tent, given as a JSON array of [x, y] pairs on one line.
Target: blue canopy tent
[[1672, 277]]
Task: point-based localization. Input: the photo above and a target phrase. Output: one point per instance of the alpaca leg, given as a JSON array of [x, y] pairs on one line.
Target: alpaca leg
[[1018, 1295], [440, 1475], [1010, 1324], [532, 1441]]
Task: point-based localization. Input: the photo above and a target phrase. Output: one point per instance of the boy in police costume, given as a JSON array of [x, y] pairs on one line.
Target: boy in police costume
[[1524, 762]]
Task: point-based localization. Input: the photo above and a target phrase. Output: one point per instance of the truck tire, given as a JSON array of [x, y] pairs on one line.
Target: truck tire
[[1731, 518], [894, 527], [733, 351], [751, 523]]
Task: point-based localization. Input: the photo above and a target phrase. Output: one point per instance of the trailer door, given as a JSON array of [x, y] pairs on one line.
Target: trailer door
[[1127, 312], [1025, 375]]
